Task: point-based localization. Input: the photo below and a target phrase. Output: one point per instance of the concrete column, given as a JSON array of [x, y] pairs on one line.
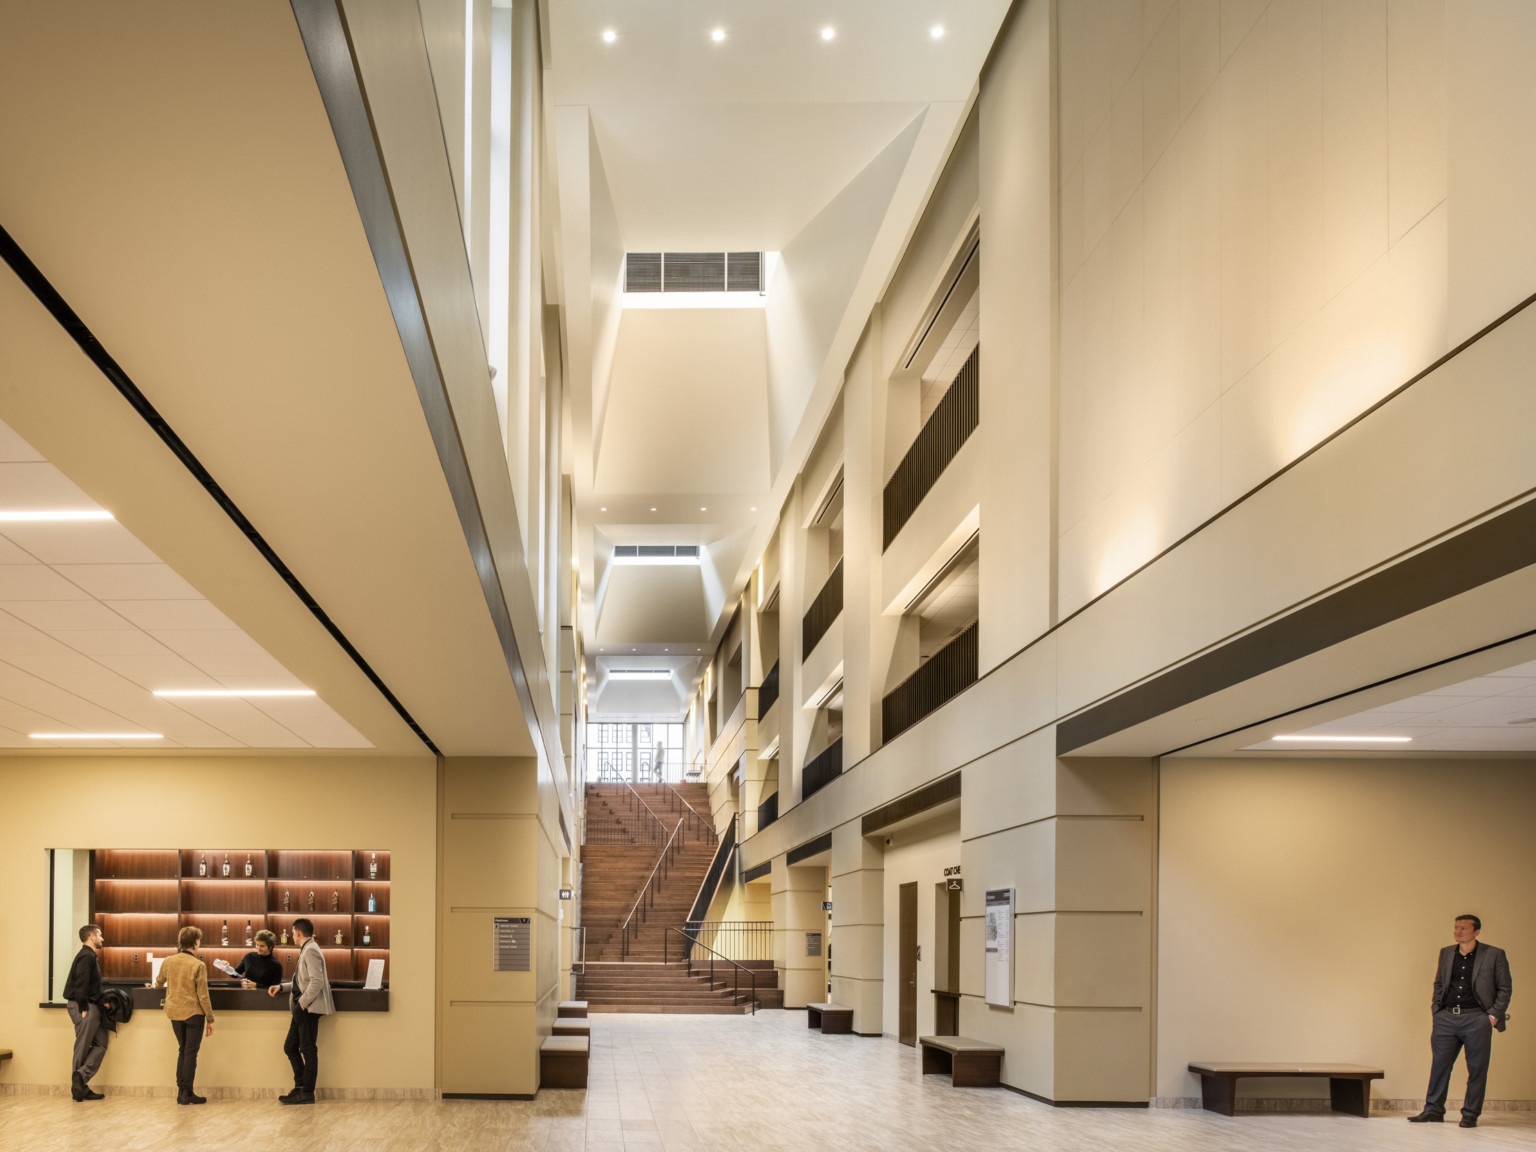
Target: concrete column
[[858, 921], [497, 857], [797, 896], [1074, 839], [754, 790]]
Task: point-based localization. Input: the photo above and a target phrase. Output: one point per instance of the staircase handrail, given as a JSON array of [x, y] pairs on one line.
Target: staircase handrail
[[739, 969], [646, 889], [703, 824], [713, 878], [660, 823]]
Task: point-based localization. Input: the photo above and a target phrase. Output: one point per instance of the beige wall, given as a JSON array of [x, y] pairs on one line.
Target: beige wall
[[1302, 904], [300, 802], [919, 858]]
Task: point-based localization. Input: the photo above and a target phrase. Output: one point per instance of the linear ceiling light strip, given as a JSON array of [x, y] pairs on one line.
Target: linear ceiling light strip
[[49, 298]]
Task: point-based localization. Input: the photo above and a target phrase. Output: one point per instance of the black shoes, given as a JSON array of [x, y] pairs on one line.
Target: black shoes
[[297, 1097], [77, 1087], [1427, 1117], [89, 1095], [190, 1097], [1469, 1121]]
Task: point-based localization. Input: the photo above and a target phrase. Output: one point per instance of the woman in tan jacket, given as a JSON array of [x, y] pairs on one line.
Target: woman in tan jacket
[[185, 980]]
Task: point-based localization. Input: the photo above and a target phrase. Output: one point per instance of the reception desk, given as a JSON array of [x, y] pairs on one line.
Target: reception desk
[[228, 998]]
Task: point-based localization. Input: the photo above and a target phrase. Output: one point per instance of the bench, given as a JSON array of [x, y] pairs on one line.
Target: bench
[[832, 1019], [573, 1027], [1349, 1085], [572, 1010], [563, 1062], [970, 1063]]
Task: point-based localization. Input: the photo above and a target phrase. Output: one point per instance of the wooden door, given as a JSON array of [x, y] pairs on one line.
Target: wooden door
[[907, 964]]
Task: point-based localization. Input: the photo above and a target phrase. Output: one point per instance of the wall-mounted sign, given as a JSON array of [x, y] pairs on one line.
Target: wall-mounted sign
[[999, 944], [955, 884], [565, 893], [953, 870], [813, 943], [826, 905], [512, 944]]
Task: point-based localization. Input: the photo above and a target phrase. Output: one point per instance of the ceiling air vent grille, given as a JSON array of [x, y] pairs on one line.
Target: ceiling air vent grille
[[693, 272], [656, 551], [642, 272]]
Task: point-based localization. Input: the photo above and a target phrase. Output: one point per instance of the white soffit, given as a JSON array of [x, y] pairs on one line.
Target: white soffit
[[92, 623], [1491, 713]]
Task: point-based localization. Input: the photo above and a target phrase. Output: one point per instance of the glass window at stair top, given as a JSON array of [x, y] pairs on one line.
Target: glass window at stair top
[[635, 753]]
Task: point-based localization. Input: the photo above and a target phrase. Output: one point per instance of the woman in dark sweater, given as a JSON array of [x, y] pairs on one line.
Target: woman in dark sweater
[[260, 968]]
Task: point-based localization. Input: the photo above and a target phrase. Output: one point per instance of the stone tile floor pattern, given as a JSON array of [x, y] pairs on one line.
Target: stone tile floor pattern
[[733, 1083]]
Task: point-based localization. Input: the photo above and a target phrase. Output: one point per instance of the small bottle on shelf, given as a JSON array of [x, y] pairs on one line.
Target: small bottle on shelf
[[224, 935], [283, 939], [335, 900], [367, 938], [371, 905], [285, 900], [250, 936], [248, 867], [202, 865], [311, 899], [226, 865], [338, 937], [373, 866]]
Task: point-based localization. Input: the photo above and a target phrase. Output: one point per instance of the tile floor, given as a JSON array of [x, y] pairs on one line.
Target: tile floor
[[738, 1083]]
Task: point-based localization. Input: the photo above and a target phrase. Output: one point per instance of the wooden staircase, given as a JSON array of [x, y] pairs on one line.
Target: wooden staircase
[[622, 849]]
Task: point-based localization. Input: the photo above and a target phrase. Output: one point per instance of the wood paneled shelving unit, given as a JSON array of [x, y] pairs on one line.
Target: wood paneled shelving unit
[[143, 898]]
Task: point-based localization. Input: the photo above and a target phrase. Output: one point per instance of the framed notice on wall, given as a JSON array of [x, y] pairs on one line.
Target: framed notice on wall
[[999, 947], [512, 944]]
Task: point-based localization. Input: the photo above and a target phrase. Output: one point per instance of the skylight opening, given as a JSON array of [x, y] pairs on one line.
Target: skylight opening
[[697, 279], [656, 554]]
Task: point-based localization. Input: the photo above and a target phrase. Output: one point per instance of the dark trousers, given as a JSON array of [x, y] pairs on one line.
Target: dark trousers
[[189, 1039], [91, 1038], [1453, 1032], [303, 1031]]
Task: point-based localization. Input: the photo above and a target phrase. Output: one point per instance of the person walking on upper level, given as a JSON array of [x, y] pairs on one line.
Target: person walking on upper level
[[309, 999], [82, 993], [185, 980], [1472, 991]]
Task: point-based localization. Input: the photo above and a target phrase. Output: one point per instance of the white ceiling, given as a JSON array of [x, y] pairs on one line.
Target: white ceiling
[[1490, 713], [92, 623]]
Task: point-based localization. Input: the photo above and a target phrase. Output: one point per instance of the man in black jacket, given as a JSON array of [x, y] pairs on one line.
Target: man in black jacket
[[83, 992], [1472, 990]]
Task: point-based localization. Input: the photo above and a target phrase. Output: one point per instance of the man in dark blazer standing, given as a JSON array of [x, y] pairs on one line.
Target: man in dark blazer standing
[[1471, 998]]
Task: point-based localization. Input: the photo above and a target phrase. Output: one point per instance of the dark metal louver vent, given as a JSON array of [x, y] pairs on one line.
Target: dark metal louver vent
[[657, 551], [693, 272], [642, 272], [744, 272]]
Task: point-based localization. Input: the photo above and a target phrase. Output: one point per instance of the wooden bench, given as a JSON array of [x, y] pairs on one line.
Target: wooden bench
[[970, 1063], [573, 1027], [563, 1062], [832, 1019], [1349, 1085], [572, 1010]]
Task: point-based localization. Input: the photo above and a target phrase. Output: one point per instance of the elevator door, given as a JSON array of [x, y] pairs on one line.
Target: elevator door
[[907, 965]]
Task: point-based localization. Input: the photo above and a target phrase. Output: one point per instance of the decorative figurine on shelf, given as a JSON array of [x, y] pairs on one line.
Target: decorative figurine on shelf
[[335, 900], [373, 865], [367, 939], [202, 865], [250, 936], [371, 906], [285, 900], [311, 899], [224, 935], [338, 937], [226, 865], [247, 867]]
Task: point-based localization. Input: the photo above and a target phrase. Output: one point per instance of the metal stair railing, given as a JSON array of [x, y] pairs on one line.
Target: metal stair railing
[[713, 956]]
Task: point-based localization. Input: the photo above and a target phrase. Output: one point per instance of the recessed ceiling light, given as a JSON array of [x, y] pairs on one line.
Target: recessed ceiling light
[[1349, 739], [602, 509], [609, 35], [703, 509], [95, 736], [653, 509], [54, 514], [751, 509], [828, 33], [234, 692], [717, 35], [937, 31]]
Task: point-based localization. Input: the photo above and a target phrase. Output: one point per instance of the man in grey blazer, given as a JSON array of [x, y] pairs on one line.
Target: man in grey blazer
[[309, 999], [1472, 992]]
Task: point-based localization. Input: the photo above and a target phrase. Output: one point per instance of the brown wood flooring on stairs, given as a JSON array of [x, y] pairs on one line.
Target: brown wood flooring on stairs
[[616, 861]]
